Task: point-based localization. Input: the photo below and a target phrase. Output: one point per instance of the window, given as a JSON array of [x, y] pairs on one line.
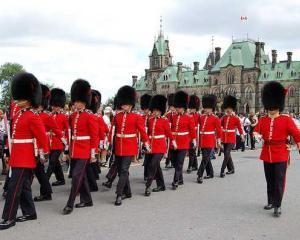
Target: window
[[230, 77], [166, 61], [248, 93], [249, 78], [292, 92]]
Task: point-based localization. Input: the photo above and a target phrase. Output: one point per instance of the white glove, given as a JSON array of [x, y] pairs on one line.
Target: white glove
[[93, 155], [147, 146], [64, 141], [194, 143], [101, 145], [174, 144], [43, 157], [219, 143], [257, 137]]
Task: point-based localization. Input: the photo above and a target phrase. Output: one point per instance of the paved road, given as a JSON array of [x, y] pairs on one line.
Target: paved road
[[229, 208]]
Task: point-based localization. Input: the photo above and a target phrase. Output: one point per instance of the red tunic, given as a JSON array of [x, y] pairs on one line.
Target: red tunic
[[62, 122], [274, 133], [196, 117], [84, 127], [229, 125], [210, 128], [27, 126], [159, 130], [103, 129], [183, 130], [127, 126]]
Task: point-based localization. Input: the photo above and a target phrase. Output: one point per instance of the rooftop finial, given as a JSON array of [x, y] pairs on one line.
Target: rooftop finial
[[161, 27], [212, 43]]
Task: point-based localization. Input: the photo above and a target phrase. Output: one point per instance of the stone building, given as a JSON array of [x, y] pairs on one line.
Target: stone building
[[241, 71]]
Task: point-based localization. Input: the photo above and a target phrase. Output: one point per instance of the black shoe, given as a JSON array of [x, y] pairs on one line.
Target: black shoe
[[181, 183], [168, 166], [222, 175], [145, 179], [26, 218], [82, 205], [67, 210], [95, 189], [159, 189], [230, 172], [194, 169], [107, 184], [58, 183], [118, 201], [42, 198], [5, 224], [174, 186], [209, 176], [125, 196], [189, 170], [147, 192], [200, 180], [269, 207], [277, 212]]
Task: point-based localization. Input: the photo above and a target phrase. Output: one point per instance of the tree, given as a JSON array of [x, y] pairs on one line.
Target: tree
[[7, 72]]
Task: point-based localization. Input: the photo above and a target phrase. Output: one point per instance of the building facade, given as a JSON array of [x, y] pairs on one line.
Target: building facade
[[241, 71]]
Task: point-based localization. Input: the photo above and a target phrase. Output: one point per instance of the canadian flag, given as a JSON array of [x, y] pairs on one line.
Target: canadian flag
[[244, 18]]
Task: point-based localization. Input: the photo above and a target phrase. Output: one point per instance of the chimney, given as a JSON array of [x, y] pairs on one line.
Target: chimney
[[257, 54], [262, 45], [289, 59], [134, 79], [218, 54], [196, 67], [179, 70], [274, 58]]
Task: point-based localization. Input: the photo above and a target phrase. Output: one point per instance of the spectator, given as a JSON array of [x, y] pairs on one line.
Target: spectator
[[253, 120]]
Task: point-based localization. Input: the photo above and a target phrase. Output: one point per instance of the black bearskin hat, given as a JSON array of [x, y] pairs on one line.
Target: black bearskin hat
[[273, 96], [96, 101], [194, 102], [126, 95], [46, 95], [58, 98], [229, 102], [171, 100], [25, 86], [81, 91], [209, 101], [115, 104], [145, 101], [158, 102], [181, 99]]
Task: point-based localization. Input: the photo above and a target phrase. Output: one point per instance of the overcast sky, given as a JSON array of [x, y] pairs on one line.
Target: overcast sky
[[106, 42]]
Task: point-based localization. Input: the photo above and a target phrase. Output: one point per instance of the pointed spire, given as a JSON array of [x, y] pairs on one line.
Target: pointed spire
[[212, 43], [161, 27]]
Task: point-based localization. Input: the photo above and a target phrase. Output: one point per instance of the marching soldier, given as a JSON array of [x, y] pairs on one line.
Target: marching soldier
[[194, 105], [83, 146], [127, 125], [274, 128], [170, 114], [57, 103], [210, 135], [27, 128], [183, 130], [51, 128], [146, 113], [229, 124], [159, 130]]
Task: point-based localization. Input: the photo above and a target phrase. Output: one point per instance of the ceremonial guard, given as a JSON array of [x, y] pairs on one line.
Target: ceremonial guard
[[194, 105], [127, 125], [146, 113], [229, 123], [170, 114], [274, 129], [183, 130], [159, 130], [27, 131], [51, 128], [57, 103], [83, 145], [210, 135]]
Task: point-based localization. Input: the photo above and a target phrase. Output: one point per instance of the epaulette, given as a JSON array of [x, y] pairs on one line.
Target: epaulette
[[88, 111], [164, 117], [34, 111]]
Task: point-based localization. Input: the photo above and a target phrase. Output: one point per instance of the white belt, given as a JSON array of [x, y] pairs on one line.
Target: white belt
[[79, 138], [228, 130], [126, 135], [157, 136], [180, 133], [207, 133], [22, 141]]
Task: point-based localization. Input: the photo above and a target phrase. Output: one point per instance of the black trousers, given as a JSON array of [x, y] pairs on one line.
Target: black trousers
[[154, 170], [45, 187], [7, 178], [206, 163], [177, 158], [91, 177], [169, 158], [193, 162], [19, 193], [275, 174], [123, 164], [113, 171], [55, 166], [96, 169], [252, 139], [79, 183], [146, 163], [227, 162]]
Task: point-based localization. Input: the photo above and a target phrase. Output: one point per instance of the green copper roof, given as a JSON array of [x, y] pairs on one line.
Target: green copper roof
[[240, 53], [280, 71], [141, 85], [160, 45], [170, 74], [191, 80]]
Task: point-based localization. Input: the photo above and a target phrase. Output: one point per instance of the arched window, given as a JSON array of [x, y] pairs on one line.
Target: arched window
[[292, 91], [248, 93], [230, 77]]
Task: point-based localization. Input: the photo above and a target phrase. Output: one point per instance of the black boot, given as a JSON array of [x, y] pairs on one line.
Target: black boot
[[277, 212], [5, 224], [159, 189], [222, 175], [118, 201], [230, 172], [107, 184], [200, 180], [58, 183], [147, 192], [42, 198], [189, 170], [26, 218], [67, 210], [269, 206], [174, 186]]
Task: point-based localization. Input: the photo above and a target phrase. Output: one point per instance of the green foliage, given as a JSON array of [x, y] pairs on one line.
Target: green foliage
[[7, 72]]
